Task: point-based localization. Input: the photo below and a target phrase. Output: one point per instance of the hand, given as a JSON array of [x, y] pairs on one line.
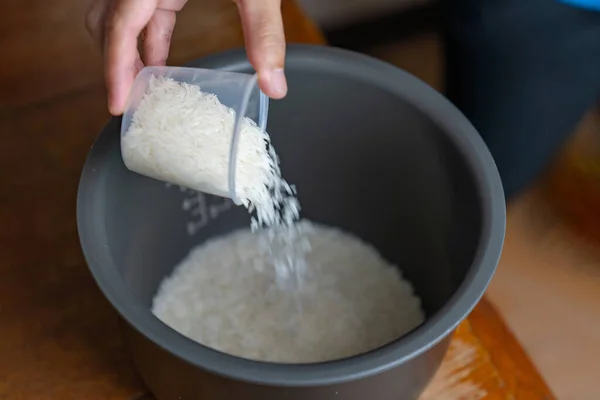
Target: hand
[[116, 25]]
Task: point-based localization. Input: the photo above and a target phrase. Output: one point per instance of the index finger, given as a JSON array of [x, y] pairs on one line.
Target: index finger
[[265, 41], [124, 24]]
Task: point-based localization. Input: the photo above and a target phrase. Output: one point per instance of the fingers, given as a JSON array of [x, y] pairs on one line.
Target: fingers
[[158, 32], [94, 21], [157, 37], [123, 26], [265, 43], [171, 5]]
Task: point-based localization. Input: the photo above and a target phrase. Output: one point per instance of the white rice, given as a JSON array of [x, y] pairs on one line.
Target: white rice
[[181, 135], [225, 296]]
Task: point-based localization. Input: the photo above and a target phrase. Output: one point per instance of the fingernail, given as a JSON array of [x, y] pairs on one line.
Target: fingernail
[[278, 83]]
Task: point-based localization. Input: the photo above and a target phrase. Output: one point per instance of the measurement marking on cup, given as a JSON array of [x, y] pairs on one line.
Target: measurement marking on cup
[[196, 203]]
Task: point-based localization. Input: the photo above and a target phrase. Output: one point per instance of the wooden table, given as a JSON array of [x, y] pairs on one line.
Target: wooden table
[[58, 335]]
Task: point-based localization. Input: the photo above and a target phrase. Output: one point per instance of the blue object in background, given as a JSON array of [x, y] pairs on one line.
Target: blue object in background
[[587, 4]]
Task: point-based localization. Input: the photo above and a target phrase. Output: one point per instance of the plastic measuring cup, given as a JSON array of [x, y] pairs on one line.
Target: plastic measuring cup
[[235, 90]]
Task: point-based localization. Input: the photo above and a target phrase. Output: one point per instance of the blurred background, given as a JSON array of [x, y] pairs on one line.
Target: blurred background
[[339, 13], [52, 104]]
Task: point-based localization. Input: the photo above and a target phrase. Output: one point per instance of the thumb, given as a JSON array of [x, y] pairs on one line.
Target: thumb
[[265, 43]]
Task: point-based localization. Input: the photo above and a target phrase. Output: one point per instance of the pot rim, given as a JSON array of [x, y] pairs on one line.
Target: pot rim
[[90, 220]]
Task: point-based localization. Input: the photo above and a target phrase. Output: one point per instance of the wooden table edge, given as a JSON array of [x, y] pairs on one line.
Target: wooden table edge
[[507, 354]]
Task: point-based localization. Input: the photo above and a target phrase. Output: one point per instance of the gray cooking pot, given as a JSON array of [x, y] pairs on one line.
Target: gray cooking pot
[[372, 150]]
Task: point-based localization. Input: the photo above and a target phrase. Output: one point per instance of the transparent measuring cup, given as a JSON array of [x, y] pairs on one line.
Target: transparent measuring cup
[[238, 91]]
